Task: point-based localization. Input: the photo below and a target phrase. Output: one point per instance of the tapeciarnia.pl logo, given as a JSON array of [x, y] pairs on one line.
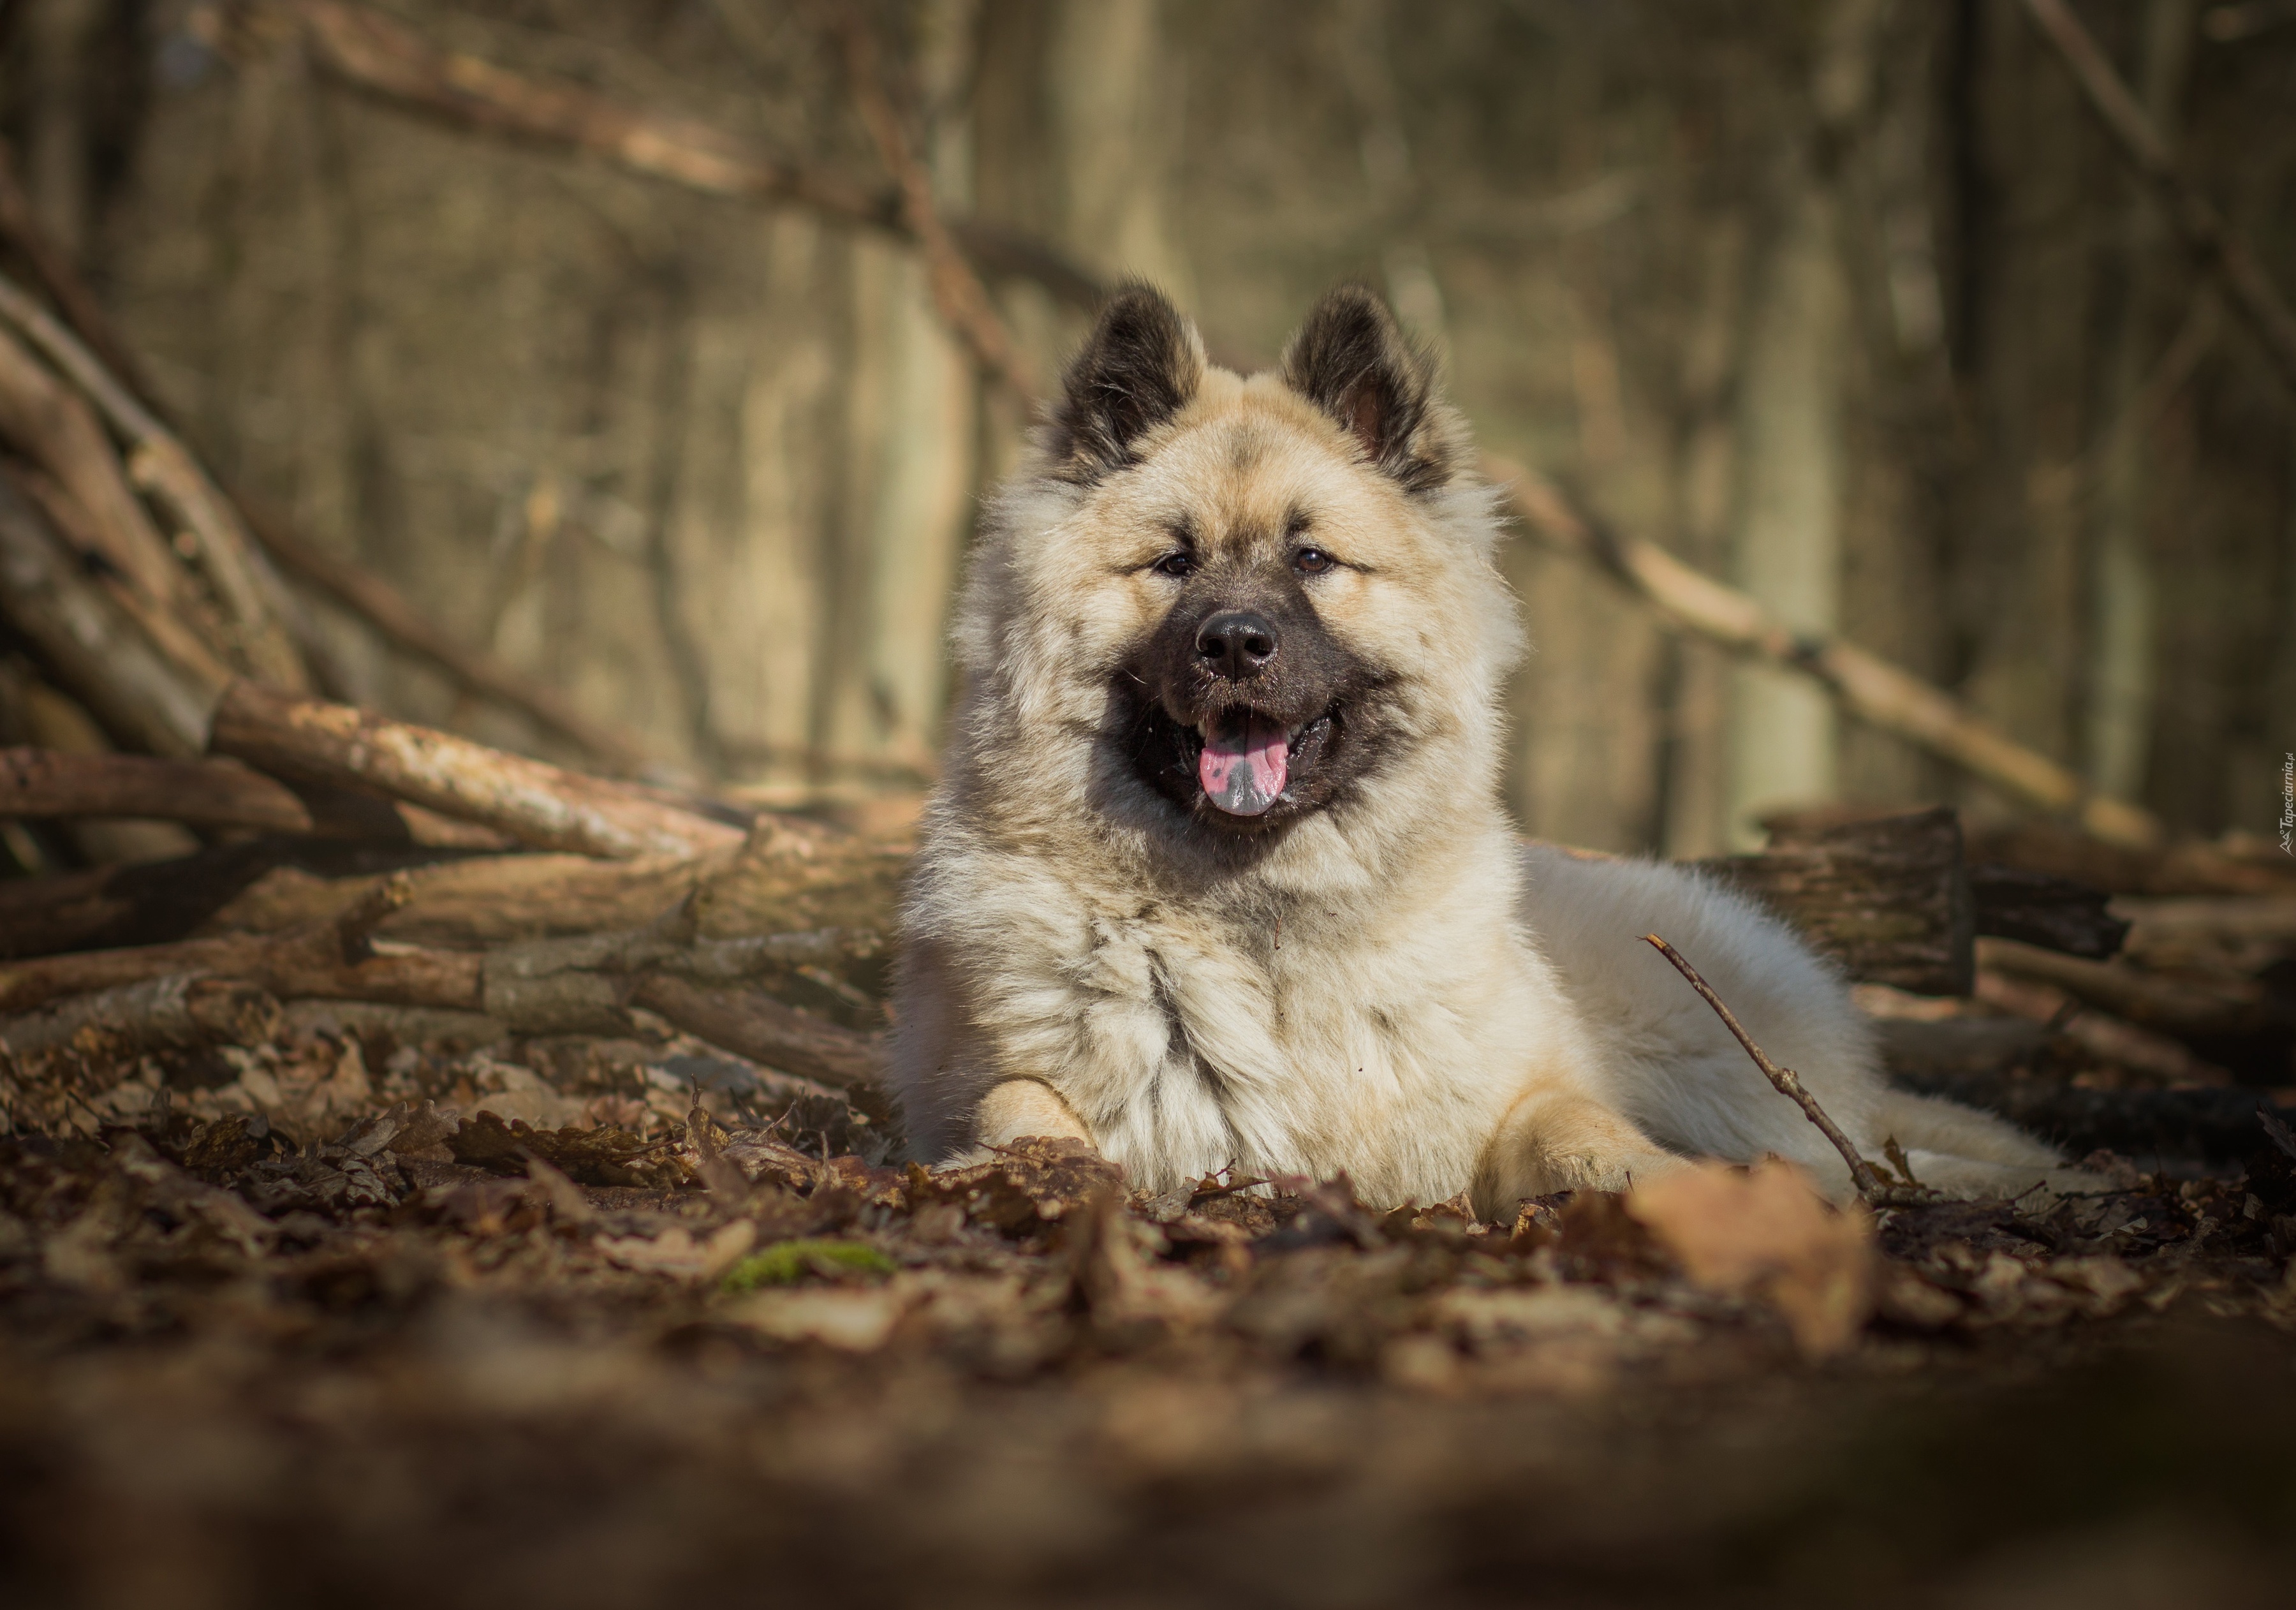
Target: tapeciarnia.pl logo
[[2288, 805]]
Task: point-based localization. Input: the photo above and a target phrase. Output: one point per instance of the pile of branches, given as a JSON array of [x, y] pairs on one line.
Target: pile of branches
[[437, 889], [548, 902]]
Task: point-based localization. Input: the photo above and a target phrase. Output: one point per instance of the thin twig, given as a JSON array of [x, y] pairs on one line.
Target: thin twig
[[959, 295], [1788, 1083], [2220, 248]]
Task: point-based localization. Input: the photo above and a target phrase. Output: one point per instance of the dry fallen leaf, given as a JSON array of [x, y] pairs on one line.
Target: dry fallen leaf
[[1903, 1297], [1765, 1233], [1024, 1189], [851, 1318], [676, 1254], [1569, 1340], [1128, 1291]]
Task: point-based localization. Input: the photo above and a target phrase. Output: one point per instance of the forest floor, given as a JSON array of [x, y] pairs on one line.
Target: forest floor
[[328, 1318]]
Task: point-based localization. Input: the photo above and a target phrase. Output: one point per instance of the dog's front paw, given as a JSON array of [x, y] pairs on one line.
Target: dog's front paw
[[1613, 1172]]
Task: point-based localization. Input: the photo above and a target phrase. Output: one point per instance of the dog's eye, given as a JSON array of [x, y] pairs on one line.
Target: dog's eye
[[1173, 564], [1312, 561]]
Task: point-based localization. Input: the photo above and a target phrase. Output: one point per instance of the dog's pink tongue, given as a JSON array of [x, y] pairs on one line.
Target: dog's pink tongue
[[1245, 761]]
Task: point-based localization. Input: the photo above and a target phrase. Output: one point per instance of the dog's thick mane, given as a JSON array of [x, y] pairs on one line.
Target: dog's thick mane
[[1076, 734]]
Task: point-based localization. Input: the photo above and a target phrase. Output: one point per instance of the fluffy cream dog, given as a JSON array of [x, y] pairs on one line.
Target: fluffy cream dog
[[1219, 873]]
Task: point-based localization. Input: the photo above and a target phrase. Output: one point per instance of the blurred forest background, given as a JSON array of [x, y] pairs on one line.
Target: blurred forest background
[[1853, 303]]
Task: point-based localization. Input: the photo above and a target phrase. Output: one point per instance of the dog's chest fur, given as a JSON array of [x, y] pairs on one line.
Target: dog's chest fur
[[1201, 1041]]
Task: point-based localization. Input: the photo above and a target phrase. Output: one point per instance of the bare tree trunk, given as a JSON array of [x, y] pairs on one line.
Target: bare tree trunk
[[1391, 178], [1588, 703], [1789, 524], [787, 494], [1696, 755], [1793, 456], [2023, 348], [2121, 636], [1899, 403], [924, 487], [1117, 99], [914, 427], [59, 38]]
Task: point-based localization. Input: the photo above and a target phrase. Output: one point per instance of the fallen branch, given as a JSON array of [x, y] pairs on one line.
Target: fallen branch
[[53, 427], [763, 1029], [173, 1009], [2220, 248], [273, 885], [584, 984], [332, 960], [2223, 1008], [2156, 1057], [214, 794], [2203, 1125], [156, 902], [791, 877], [534, 803], [169, 628], [2179, 868], [2243, 933], [2054, 913], [94, 643], [1787, 1083], [1869, 687]]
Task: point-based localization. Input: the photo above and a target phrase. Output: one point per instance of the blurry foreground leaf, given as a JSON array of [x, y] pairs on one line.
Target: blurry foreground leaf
[[1765, 1233]]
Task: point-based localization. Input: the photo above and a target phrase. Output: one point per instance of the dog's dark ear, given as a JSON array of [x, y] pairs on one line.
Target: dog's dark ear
[[1141, 364], [1350, 360]]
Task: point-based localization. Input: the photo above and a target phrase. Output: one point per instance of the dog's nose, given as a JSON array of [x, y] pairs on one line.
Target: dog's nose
[[1238, 642]]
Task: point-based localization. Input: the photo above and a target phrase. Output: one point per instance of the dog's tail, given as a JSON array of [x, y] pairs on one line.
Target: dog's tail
[[1966, 1153]]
